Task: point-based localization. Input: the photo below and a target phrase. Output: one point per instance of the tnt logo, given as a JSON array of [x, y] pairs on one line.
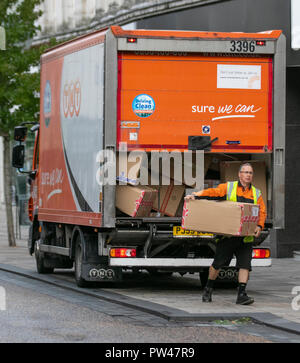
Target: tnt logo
[[72, 98], [2, 299]]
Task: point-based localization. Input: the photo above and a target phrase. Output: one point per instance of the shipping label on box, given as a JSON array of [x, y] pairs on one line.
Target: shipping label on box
[[228, 218]]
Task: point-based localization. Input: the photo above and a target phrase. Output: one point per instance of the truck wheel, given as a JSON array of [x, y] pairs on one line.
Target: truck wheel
[[40, 260], [78, 264]]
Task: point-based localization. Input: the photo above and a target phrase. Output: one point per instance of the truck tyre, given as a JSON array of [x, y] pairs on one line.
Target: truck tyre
[[78, 264], [40, 261]]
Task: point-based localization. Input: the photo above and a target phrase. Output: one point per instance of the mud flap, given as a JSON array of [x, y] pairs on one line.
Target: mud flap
[[101, 272]]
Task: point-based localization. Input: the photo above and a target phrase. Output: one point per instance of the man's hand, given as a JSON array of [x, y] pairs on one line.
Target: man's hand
[[257, 231], [190, 196]]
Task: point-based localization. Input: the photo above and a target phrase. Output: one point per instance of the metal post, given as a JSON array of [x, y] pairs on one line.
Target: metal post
[[2, 38]]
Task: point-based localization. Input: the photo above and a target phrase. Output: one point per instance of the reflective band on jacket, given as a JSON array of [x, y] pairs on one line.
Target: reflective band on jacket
[[232, 189], [231, 195]]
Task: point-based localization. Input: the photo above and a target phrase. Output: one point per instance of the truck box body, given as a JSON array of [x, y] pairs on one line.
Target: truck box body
[[71, 132], [151, 90]]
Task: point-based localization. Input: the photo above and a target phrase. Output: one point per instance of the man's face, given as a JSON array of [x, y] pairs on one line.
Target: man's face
[[246, 174]]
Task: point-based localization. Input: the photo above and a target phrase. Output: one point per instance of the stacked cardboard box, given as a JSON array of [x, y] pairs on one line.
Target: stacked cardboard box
[[136, 201], [165, 199]]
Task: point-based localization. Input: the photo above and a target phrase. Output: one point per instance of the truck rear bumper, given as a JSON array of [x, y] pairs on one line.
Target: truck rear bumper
[[178, 262]]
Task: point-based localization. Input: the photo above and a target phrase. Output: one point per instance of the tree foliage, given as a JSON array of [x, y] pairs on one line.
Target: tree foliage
[[19, 86]]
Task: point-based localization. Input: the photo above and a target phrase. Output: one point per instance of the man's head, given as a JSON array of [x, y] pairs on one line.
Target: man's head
[[246, 174]]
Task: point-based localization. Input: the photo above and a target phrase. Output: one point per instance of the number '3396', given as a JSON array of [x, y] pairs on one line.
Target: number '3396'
[[242, 46]]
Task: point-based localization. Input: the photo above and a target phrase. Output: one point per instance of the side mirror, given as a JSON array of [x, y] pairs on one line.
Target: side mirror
[[18, 156], [20, 133]]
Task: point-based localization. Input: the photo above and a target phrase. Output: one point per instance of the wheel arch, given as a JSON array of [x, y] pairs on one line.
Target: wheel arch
[[77, 232]]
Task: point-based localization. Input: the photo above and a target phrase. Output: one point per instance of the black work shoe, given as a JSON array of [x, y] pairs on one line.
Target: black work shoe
[[206, 297], [244, 299]]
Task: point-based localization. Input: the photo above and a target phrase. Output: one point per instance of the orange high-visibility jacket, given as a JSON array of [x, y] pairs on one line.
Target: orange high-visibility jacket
[[244, 195]]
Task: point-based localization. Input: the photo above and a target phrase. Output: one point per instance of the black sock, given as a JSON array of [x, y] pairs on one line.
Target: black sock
[[210, 283], [242, 287]]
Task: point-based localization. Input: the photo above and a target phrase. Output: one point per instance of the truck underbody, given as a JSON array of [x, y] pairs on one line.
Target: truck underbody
[[135, 244]]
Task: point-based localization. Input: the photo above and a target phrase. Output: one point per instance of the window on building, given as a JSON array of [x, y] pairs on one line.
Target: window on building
[[295, 24]]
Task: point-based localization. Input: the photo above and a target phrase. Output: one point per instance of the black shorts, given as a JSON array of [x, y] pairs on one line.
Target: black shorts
[[227, 248]]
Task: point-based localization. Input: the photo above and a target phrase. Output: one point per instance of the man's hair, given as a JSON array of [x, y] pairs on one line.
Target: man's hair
[[245, 164]]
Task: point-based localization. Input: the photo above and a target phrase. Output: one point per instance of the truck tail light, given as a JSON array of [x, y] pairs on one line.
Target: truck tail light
[[261, 253], [261, 43], [30, 209], [131, 40], [122, 252]]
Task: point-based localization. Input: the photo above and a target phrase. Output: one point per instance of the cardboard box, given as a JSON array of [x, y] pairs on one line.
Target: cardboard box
[[228, 218], [170, 198], [131, 168], [136, 201], [134, 169], [179, 168], [229, 172], [214, 160]]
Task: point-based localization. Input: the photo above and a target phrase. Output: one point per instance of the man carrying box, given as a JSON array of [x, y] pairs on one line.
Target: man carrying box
[[239, 191]]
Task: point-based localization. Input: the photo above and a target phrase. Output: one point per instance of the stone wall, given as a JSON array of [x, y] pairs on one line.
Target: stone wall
[[70, 18]]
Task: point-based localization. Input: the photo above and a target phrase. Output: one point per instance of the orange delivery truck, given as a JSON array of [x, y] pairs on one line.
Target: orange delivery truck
[[218, 94]]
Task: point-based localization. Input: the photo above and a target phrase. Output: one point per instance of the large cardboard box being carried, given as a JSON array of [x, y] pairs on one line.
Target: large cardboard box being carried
[[136, 201], [228, 218], [229, 172]]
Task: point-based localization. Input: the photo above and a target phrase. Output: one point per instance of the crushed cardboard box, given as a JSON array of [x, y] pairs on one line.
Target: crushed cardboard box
[[170, 198], [136, 201], [228, 218]]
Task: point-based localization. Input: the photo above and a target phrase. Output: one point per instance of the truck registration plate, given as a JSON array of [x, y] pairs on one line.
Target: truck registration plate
[[180, 232]]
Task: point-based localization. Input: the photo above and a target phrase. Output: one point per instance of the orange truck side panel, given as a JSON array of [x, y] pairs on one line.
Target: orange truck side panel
[[193, 95], [52, 174]]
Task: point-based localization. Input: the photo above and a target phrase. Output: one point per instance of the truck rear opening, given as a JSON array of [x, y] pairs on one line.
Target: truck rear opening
[[219, 96]]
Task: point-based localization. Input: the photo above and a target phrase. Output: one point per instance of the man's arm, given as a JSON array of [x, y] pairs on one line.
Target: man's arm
[[214, 193], [262, 216]]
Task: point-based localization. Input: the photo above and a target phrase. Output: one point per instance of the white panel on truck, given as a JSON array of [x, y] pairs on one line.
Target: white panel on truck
[[81, 109]]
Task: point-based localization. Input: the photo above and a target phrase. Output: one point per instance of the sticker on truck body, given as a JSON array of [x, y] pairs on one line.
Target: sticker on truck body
[[143, 105]]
